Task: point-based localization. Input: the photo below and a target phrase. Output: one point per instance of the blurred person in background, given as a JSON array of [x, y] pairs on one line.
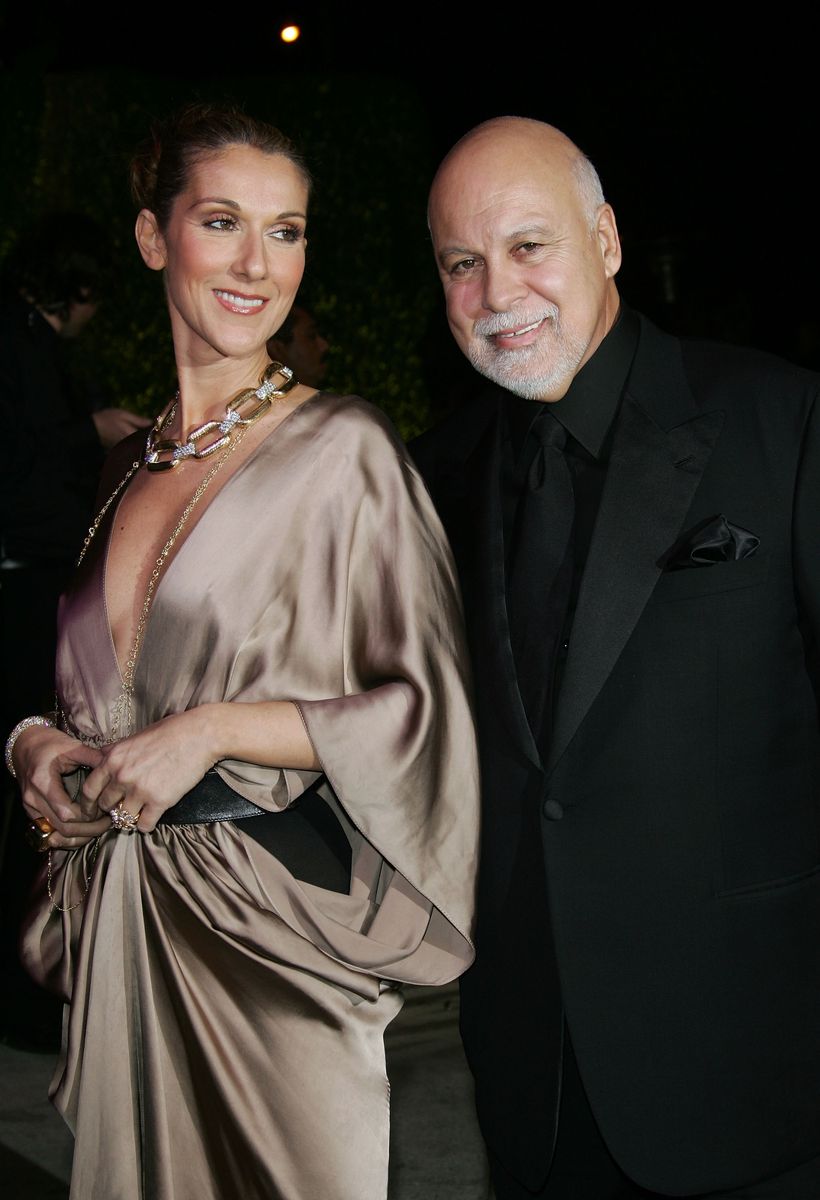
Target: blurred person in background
[[55, 434], [300, 344]]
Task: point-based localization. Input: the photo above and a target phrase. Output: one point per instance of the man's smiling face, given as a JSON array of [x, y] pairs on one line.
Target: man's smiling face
[[526, 261]]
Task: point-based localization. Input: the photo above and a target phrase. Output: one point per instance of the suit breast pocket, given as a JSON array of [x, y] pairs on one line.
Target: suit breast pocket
[[709, 581]]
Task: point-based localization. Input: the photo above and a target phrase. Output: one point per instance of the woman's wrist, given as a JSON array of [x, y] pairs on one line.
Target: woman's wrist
[[270, 733], [46, 721], [211, 721]]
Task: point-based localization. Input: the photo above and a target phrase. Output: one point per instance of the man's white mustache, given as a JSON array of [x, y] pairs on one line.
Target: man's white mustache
[[503, 321]]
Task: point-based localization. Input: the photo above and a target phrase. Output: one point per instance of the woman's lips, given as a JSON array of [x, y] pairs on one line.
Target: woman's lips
[[237, 303]]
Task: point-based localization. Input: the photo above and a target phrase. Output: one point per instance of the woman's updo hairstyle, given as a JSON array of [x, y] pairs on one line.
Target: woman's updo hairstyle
[[161, 165]]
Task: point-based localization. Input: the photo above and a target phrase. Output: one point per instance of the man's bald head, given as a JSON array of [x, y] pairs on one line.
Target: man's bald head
[[535, 137], [527, 251]]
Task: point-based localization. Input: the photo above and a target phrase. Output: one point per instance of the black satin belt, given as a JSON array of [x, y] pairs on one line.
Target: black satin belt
[[307, 837], [211, 800]]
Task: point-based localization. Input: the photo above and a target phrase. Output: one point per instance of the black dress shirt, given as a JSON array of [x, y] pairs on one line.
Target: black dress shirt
[[587, 412]]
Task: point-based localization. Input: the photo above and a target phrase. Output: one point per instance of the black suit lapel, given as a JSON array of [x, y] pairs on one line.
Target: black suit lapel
[[651, 480]]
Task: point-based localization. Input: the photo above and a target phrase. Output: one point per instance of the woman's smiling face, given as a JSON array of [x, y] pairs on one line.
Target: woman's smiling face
[[233, 252]]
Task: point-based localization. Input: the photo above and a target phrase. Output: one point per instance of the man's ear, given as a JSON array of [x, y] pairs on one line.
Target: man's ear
[[150, 241], [607, 232]]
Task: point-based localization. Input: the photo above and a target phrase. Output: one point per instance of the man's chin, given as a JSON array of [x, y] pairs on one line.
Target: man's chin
[[530, 385], [526, 374]]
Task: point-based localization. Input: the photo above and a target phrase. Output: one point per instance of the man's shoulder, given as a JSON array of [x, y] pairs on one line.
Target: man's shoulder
[[454, 436], [719, 370]]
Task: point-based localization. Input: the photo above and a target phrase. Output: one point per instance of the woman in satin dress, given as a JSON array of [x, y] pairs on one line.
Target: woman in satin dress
[[258, 795]]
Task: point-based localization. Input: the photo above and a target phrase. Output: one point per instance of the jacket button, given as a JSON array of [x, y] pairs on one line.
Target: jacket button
[[553, 810]]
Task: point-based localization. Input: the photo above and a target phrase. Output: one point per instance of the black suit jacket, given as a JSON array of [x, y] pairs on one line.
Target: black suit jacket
[[672, 909]]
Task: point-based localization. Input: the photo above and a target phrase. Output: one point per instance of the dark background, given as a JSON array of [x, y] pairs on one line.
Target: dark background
[[704, 137]]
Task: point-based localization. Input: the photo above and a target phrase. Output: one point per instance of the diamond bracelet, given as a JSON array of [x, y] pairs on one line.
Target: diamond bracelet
[[26, 723]]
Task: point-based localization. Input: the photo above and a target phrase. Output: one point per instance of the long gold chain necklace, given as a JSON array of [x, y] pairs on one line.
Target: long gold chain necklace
[[123, 707], [231, 430]]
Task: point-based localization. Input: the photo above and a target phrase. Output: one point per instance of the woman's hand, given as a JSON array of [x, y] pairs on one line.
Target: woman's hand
[[42, 757], [150, 771]]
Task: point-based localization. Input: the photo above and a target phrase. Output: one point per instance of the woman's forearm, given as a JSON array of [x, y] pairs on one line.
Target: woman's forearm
[[269, 733]]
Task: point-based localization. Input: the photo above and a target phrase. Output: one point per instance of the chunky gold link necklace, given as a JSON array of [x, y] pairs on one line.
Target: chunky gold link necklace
[[176, 452], [231, 438]]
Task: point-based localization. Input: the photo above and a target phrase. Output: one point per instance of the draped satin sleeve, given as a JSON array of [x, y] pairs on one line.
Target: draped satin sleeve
[[397, 743]]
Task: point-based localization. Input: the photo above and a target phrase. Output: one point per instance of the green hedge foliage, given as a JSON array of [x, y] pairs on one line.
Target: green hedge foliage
[[65, 143]]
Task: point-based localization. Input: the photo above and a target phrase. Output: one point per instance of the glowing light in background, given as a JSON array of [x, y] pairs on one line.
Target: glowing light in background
[[290, 33]]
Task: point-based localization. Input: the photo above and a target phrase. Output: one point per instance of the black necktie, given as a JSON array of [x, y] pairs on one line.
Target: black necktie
[[541, 570]]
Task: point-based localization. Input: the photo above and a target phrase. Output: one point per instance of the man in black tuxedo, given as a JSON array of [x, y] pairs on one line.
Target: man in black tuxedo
[[636, 522]]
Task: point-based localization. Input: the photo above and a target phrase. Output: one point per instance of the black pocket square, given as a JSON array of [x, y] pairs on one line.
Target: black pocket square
[[714, 540]]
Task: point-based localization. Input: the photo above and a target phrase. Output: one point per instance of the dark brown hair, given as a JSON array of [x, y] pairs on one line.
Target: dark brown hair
[[162, 164]]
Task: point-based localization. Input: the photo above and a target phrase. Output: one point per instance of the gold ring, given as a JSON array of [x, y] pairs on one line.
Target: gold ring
[[38, 833], [122, 820]]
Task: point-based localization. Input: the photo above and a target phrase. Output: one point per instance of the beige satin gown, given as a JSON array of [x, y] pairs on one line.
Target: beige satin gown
[[224, 1026]]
